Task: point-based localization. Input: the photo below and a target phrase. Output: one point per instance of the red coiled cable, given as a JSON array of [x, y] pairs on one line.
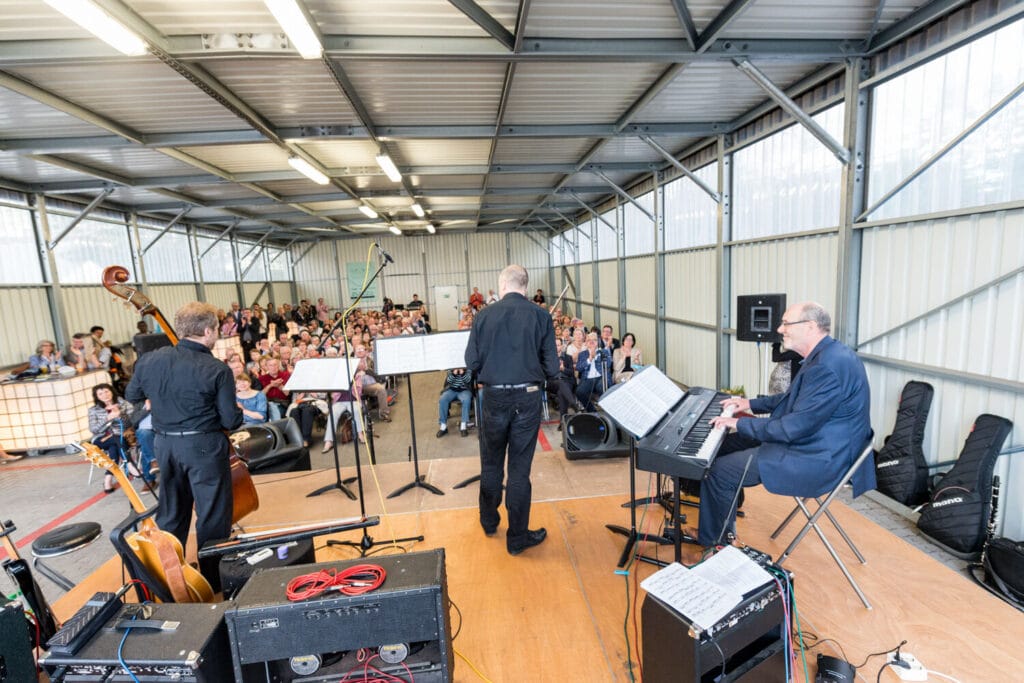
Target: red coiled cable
[[355, 580]]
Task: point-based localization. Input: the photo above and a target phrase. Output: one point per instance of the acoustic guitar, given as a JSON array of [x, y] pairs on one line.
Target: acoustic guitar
[[20, 573], [160, 552], [245, 499]]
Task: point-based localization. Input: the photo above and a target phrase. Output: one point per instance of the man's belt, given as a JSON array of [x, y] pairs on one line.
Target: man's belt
[[524, 385], [192, 433]]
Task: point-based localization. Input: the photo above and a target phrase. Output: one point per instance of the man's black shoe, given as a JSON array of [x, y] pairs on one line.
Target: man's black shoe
[[464, 432], [533, 537], [490, 530], [442, 432]]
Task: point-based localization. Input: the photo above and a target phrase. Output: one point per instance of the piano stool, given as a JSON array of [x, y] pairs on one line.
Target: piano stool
[[61, 541]]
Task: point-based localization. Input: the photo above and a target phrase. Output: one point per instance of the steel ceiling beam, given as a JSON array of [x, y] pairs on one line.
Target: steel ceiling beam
[[679, 165], [686, 21], [80, 217], [622, 193], [485, 21], [794, 110], [913, 22], [720, 23], [598, 216], [170, 224], [521, 19], [219, 237]]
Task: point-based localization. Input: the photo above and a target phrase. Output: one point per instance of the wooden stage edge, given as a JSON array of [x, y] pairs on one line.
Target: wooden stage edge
[[556, 612]]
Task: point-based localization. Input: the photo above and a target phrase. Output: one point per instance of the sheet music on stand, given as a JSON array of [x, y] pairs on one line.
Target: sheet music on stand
[[707, 593], [321, 374], [410, 354], [639, 404]]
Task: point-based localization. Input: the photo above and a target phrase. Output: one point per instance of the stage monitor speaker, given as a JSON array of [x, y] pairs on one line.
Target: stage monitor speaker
[[591, 435], [144, 343], [758, 317], [404, 624], [747, 646], [16, 660]]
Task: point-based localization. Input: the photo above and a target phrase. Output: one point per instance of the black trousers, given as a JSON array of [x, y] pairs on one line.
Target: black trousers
[[194, 470], [510, 422], [564, 391]]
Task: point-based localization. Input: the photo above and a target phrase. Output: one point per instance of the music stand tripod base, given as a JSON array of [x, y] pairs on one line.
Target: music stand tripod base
[[418, 479]]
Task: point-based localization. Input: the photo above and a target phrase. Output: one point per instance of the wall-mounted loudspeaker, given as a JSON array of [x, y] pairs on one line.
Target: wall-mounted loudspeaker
[[758, 316], [591, 435]]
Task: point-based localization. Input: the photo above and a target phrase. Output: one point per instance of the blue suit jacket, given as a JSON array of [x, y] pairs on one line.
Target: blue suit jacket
[[817, 428]]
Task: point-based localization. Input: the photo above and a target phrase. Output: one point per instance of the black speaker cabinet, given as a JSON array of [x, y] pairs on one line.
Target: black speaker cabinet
[[404, 623], [591, 435], [193, 650], [144, 343], [16, 660], [758, 316], [747, 646]]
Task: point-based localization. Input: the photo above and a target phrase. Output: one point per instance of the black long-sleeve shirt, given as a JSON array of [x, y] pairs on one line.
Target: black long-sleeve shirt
[[512, 342], [189, 390]]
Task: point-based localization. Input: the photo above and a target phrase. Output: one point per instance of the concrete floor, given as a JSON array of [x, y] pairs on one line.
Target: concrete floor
[[54, 488]]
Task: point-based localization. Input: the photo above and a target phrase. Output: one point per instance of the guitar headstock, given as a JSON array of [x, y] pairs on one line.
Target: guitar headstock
[[114, 279], [96, 456]]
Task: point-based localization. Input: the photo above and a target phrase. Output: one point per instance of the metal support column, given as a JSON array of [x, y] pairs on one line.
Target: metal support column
[[138, 253], [620, 249], [48, 264], [197, 263], [723, 267], [853, 193], [659, 271], [236, 265]]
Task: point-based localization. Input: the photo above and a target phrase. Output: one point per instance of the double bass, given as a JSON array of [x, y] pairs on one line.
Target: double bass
[[245, 498]]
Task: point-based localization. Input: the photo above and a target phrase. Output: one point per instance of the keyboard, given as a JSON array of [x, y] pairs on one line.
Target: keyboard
[[684, 444]]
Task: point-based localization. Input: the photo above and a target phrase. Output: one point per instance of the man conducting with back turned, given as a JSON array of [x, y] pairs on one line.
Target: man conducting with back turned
[[814, 433], [511, 351], [193, 400]]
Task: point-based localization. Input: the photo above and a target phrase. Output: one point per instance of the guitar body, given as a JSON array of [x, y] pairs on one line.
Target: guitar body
[[162, 555], [243, 488]]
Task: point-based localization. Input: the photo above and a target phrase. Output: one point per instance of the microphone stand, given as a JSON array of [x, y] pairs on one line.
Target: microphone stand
[[366, 543]]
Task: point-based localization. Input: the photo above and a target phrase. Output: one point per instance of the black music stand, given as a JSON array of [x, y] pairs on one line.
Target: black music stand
[[631, 534], [418, 481], [328, 375]]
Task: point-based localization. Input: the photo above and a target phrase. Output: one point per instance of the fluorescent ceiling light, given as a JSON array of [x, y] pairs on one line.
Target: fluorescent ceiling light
[[394, 229], [295, 25], [307, 169], [97, 22], [367, 211], [389, 168], [431, 229], [418, 210]]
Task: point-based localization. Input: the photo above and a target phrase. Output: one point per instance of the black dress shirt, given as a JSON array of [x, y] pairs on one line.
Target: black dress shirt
[[512, 342], [189, 390]]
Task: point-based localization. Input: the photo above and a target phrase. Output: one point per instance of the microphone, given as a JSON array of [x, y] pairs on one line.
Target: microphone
[[383, 254]]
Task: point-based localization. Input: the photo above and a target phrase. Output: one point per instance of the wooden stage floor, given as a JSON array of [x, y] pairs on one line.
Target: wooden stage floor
[[557, 612]]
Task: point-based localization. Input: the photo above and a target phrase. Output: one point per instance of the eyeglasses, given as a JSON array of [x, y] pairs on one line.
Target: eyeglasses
[[795, 322]]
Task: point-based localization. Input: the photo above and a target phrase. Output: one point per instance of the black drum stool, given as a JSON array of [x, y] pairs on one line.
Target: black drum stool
[[61, 541]]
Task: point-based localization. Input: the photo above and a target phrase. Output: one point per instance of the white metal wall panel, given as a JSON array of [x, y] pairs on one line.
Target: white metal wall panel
[[21, 259], [318, 274], [219, 264], [585, 241], [913, 268], [608, 283], [220, 295], [803, 268], [587, 314], [529, 254], [955, 407], [585, 284], [252, 289], [169, 298], [640, 284], [638, 226], [691, 215], [488, 253], [87, 306], [445, 257], [608, 237], [643, 328], [169, 259], [89, 248], [690, 285], [26, 315], [690, 355]]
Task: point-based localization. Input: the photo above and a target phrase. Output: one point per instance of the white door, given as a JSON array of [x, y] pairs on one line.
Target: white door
[[446, 308]]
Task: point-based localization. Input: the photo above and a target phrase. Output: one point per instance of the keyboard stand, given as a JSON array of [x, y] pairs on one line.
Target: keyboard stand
[[631, 534]]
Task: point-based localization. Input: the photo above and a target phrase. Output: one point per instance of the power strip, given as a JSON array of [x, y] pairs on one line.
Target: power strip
[[909, 669]]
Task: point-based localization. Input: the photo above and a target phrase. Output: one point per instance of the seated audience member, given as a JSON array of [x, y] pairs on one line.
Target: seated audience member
[[80, 355], [108, 419], [565, 387], [228, 326], [812, 436], [578, 343], [415, 304], [273, 382], [304, 409], [142, 421], [344, 402], [46, 356], [252, 402], [492, 298], [458, 384], [100, 347], [593, 366], [538, 298], [608, 341], [626, 359], [476, 299]]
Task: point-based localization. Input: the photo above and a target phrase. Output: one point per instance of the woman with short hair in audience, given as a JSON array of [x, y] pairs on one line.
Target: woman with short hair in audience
[[46, 357], [626, 359], [252, 403], [109, 417]]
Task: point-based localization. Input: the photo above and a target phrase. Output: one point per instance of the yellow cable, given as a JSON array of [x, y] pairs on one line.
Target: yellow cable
[[472, 666]]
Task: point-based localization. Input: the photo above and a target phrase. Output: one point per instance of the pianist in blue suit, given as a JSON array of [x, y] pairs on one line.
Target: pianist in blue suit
[[814, 432]]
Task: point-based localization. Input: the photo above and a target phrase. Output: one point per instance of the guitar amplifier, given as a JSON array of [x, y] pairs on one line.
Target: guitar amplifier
[[403, 626], [195, 650]]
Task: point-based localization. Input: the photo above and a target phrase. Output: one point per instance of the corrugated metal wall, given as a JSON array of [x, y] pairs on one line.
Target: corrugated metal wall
[[608, 283], [585, 284], [913, 269], [690, 286], [87, 306], [169, 298], [640, 284], [690, 356], [642, 328], [26, 322], [221, 295]]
